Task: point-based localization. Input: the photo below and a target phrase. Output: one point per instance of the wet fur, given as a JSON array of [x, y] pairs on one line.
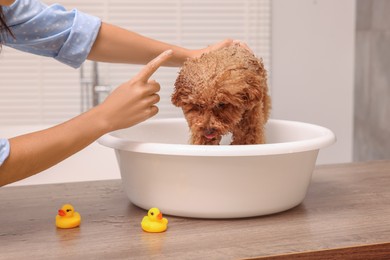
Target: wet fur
[[224, 91]]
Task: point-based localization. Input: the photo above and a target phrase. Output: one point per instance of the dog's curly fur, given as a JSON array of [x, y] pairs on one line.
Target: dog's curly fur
[[224, 91]]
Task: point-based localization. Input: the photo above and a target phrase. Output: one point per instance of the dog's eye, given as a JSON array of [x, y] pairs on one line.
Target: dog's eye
[[221, 105]]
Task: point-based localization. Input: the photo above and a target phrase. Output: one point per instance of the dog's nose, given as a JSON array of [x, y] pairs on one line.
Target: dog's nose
[[210, 133]]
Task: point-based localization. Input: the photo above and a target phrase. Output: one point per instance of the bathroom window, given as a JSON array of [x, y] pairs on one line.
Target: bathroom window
[[37, 90]]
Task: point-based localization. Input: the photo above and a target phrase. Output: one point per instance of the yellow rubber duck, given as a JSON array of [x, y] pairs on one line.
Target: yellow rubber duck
[[67, 217], [154, 221]]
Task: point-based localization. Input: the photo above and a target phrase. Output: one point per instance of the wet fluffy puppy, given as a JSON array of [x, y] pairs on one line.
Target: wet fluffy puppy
[[224, 91]]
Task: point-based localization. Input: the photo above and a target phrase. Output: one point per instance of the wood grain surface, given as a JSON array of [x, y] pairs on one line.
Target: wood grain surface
[[346, 213]]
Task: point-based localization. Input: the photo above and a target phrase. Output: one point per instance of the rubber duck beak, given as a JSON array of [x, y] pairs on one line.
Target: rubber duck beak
[[159, 216], [61, 213]]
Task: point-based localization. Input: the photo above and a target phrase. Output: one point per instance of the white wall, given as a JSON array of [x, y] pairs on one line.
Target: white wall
[[313, 66]]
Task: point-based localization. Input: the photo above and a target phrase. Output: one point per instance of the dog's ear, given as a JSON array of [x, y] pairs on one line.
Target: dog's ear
[[177, 97], [254, 90], [180, 93]]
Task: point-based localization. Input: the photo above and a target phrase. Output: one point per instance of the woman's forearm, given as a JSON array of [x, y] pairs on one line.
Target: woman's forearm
[[118, 45], [35, 152]]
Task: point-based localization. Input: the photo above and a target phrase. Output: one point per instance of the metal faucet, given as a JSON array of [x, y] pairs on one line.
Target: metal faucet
[[92, 92]]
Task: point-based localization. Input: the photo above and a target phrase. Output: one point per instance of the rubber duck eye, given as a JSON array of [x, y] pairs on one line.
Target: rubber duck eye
[[68, 210], [152, 213]]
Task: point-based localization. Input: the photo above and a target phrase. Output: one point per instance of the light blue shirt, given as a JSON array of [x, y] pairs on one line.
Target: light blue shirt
[[4, 150], [50, 31]]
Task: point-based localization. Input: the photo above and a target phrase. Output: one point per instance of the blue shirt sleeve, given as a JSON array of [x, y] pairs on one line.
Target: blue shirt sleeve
[[51, 31], [4, 150]]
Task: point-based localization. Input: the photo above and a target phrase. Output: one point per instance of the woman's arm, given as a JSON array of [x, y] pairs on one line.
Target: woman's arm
[[118, 45], [129, 104]]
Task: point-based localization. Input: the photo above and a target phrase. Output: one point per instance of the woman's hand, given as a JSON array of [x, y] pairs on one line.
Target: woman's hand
[[135, 100]]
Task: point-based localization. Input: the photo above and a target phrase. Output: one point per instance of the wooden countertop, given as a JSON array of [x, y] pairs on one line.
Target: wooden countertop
[[346, 215]]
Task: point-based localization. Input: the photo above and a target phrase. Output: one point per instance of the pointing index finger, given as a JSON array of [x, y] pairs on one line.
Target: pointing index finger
[[153, 65]]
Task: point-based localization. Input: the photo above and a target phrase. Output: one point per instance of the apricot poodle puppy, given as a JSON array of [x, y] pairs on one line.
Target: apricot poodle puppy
[[224, 91]]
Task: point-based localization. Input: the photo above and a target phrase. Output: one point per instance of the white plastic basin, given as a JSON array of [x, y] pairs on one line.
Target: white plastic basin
[[160, 169]]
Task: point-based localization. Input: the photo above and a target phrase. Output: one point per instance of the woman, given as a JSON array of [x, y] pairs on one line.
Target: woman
[[71, 37]]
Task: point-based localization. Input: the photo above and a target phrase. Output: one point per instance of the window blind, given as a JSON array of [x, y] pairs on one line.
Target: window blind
[[38, 90]]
